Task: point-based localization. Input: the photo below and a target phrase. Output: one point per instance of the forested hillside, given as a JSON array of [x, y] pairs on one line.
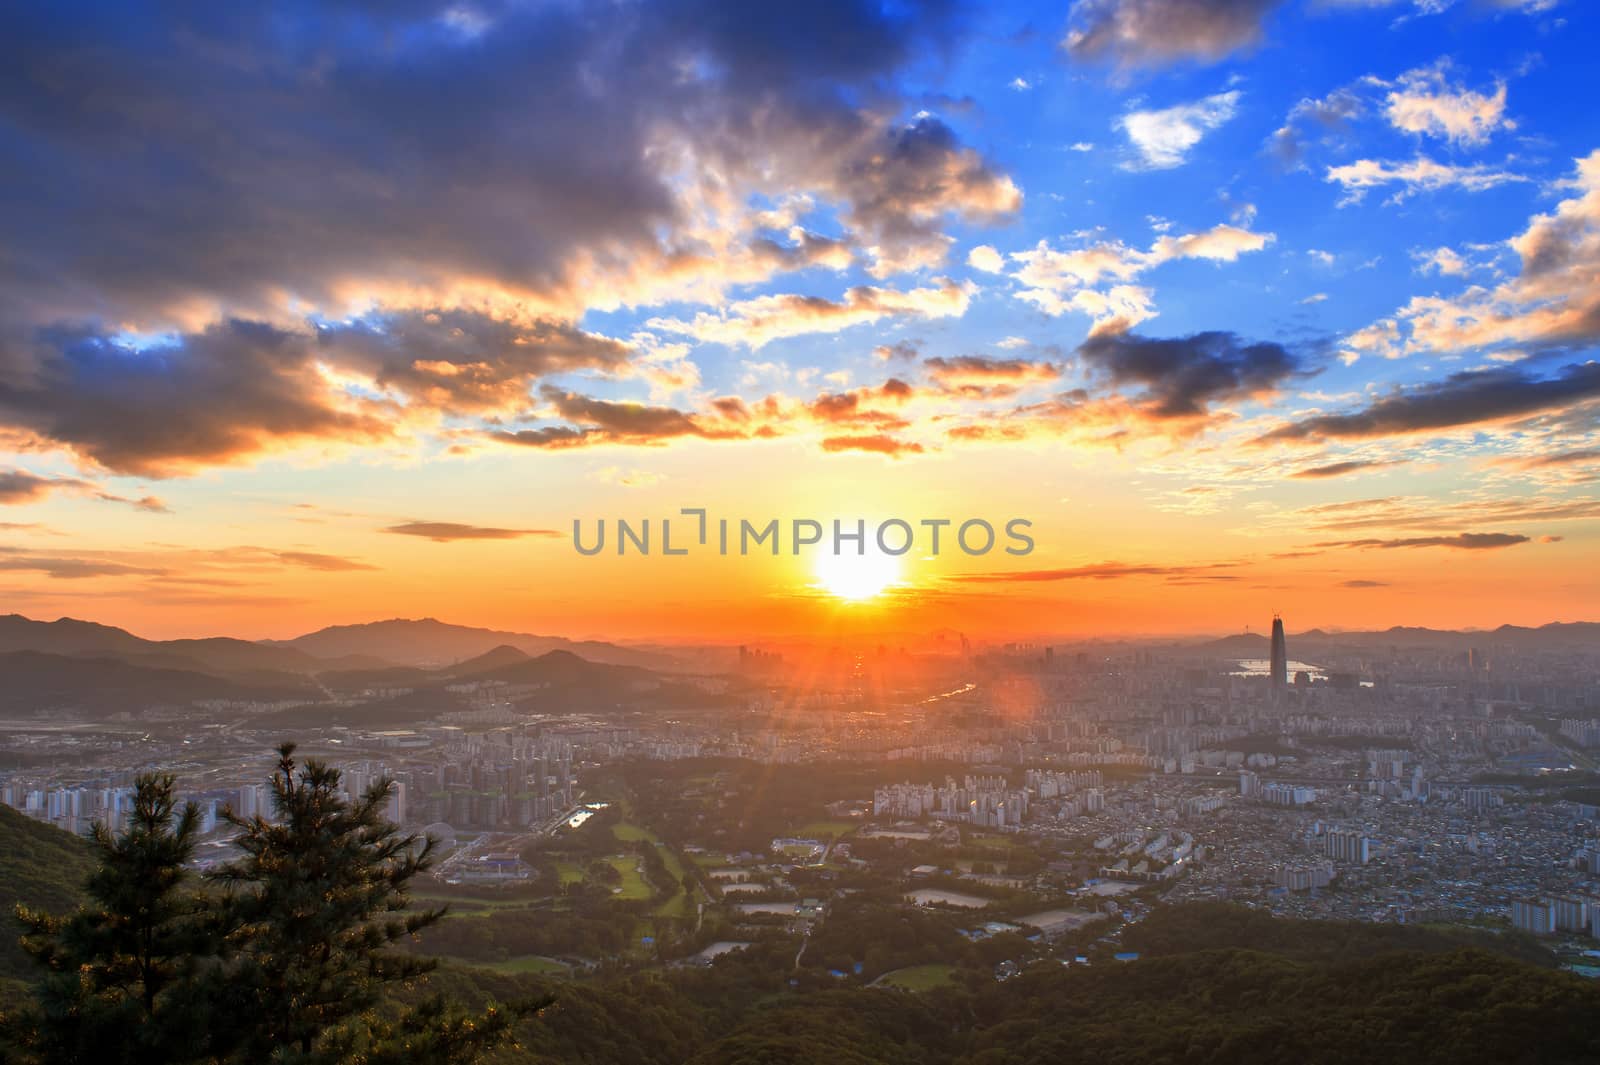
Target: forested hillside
[[41, 866]]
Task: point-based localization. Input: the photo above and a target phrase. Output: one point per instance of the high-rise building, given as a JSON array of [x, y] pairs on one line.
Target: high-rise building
[[1536, 916], [1280, 656], [1305, 877], [1573, 913], [1347, 846]]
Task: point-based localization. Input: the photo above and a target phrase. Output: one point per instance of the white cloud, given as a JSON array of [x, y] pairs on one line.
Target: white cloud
[[985, 258], [1552, 301], [1164, 138], [1425, 102], [1443, 261], [1419, 175], [1057, 281], [1380, 338], [1436, 7]]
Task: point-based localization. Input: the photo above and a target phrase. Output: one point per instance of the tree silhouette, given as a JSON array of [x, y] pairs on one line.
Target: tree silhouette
[[312, 908], [285, 956], [121, 983]]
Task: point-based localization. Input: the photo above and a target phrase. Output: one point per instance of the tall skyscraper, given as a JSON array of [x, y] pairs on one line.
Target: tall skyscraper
[[1280, 655]]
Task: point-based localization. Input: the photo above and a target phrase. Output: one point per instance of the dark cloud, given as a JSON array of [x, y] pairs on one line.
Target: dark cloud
[[552, 437], [983, 367], [853, 408], [148, 504], [1555, 459], [1100, 571], [1460, 541], [220, 396], [905, 350], [622, 420], [595, 421], [466, 180], [1471, 397], [446, 531], [1314, 119], [1430, 514], [1338, 469], [464, 362], [327, 563], [1153, 33], [878, 443], [1183, 376], [1363, 584], [234, 154], [72, 568], [601, 421], [20, 486]]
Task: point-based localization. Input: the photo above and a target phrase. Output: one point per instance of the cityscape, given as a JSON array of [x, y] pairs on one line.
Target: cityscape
[[860, 532], [1413, 777]]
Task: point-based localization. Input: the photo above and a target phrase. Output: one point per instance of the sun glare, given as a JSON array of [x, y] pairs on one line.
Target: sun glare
[[854, 577]]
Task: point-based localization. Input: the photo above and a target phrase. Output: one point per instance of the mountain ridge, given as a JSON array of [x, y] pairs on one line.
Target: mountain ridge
[[432, 643]]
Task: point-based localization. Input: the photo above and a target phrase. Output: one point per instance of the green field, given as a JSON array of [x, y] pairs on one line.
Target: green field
[[569, 872], [680, 904], [628, 832], [920, 977], [633, 885], [529, 964]]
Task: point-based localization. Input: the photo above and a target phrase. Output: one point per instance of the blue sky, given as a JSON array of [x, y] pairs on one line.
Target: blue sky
[[1057, 129], [1306, 286]]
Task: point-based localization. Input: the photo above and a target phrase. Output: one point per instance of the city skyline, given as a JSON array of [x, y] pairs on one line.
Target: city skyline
[[342, 314]]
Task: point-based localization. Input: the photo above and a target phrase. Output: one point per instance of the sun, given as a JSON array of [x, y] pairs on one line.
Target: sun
[[854, 577]]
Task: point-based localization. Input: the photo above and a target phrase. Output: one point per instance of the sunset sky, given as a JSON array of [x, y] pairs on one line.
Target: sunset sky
[[345, 311]]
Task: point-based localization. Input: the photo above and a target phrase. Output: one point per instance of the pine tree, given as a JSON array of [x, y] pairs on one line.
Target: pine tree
[[121, 983], [287, 959], [314, 906]]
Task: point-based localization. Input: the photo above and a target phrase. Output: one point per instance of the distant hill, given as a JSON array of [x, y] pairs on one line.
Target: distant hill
[[42, 867], [37, 683], [558, 679], [432, 643], [1582, 634], [563, 669], [1240, 645], [95, 671], [495, 658], [217, 654]]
